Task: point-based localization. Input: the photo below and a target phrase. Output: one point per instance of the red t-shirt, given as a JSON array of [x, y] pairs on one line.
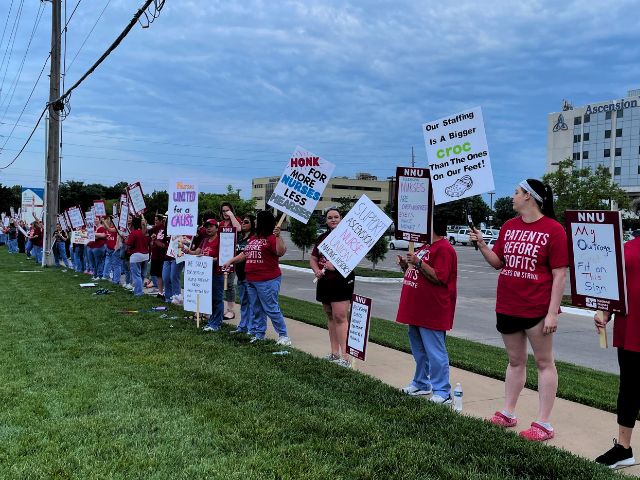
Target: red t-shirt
[[262, 260], [211, 248], [423, 303], [138, 242], [322, 260], [529, 252], [626, 328], [112, 239], [158, 253], [99, 242], [37, 239]]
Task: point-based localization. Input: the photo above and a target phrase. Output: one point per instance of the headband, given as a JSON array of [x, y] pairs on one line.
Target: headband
[[526, 187]]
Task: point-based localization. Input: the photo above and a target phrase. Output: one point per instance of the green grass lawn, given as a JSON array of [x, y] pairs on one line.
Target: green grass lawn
[[87, 392], [360, 271]]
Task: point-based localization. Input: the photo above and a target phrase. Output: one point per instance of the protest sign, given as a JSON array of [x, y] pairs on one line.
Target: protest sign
[[114, 209], [414, 201], [304, 179], [124, 218], [183, 208], [5, 220], [458, 156], [79, 237], [32, 204], [177, 245], [355, 235], [596, 251], [135, 199], [62, 221], [359, 321], [198, 283], [227, 251], [75, 217], [100, 208], [22, 231], [91, 225]]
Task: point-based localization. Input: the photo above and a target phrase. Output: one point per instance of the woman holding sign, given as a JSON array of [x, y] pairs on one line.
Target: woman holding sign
[[626, 338], [264, 277], [334, 292], [138, 244], [210, 247], [532, 256], [229, 219], [246, 316]]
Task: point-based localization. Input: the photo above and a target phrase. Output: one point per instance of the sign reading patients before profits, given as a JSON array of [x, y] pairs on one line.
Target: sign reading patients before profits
[[198, 283], [596, 251], [458, 156], [304, 179], [227, 248], [358, 333], [183, 208], [355, 235], [414, 200]]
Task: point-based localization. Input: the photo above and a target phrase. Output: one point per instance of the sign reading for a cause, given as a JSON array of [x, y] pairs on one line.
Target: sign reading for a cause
[[458, 156], [355, 235], [301, 185], [198, 283], [359, 321], [183, 208], [595, 246], [414, 200]]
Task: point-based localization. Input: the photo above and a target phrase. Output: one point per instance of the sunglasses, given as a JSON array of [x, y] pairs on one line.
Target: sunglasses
[[246, 221]]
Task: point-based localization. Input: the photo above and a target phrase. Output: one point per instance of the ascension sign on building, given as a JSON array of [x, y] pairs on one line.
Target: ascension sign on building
[[610, 107]]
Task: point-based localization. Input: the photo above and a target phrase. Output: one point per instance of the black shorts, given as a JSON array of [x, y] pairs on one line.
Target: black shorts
[[507, 324], [156, 268], [335, 289]]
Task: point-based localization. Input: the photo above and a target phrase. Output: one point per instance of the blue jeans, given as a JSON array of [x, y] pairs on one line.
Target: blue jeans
[[97, 260], [60, 254], [13, 245], [37, 254], [171, 278], [138, 272], [108, 259], [217, 305], [263, 297], [27, 247], [115, 265], [126, 268], [78, 258], [432, 360], [246, 321]]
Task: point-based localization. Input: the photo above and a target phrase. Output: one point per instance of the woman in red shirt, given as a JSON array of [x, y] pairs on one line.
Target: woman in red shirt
[[334, 292], [263, 274], [626, 338], [532, 256], [138, 244], [229, 219]]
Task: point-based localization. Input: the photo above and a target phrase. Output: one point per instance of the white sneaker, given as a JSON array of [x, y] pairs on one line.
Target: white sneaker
[[441, 400], [343, 362], [207, 328], [152, 291], [414, 391], [128, 286], [284, 341], [255, 339]]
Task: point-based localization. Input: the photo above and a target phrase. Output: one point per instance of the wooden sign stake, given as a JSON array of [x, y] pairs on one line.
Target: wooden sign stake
[[602, 332], [198, 311], [226, 280], [279, 224]]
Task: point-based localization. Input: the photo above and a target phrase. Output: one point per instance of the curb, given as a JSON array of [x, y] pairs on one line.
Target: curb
[[577, 311], [358, 278]]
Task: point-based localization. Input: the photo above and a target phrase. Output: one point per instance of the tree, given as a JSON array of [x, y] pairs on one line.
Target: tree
[[10, 197], [303, 235], [583, 189], [503, 210], [212, 202], [378, 252], [455, 212], [344, 204]]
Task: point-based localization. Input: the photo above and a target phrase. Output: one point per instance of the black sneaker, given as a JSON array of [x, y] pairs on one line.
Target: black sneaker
[[617, 457]]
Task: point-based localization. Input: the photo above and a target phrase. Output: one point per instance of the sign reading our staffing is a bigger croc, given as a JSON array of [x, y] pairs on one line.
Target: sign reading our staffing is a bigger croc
[[304, 179], [458, 156]]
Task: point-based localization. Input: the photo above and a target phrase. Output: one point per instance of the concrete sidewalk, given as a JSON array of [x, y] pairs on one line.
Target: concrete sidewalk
[[583, 430]]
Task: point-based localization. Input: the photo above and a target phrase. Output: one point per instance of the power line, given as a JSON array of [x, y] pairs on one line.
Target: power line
[[27, 142], [6, 22], [12, 40], [88, 35]]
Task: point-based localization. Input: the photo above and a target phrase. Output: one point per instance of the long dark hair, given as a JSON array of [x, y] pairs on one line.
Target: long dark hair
[[545, 192], [252, 220], [265, 223], [226, 204], [136, 223]]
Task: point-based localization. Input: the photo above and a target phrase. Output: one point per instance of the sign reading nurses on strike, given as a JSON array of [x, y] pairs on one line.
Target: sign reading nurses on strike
[[458, 156], [304, 179]]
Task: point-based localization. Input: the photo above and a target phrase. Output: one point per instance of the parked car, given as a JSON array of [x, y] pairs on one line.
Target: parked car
[[395, 244], [492, 242], [461, 236], [489, 233]]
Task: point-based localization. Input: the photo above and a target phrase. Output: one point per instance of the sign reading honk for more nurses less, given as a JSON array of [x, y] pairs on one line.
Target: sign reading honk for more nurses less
[[458, 156], [301, 185]]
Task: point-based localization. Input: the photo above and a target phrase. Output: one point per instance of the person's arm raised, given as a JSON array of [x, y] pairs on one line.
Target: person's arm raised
[[488, 254]]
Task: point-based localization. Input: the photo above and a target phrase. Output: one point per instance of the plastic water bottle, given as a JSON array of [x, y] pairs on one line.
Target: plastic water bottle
[[457, 398]]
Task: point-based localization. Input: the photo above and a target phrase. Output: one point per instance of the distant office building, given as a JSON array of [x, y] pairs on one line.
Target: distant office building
[[339, 187], [602, 133]]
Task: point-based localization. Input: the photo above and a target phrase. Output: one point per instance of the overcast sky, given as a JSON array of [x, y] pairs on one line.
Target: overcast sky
[[223, 91]]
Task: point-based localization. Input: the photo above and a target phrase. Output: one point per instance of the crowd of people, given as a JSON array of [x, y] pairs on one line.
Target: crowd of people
[[531, 254]]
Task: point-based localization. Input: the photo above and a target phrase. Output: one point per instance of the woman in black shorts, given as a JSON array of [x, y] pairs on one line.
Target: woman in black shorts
[[334, 292]]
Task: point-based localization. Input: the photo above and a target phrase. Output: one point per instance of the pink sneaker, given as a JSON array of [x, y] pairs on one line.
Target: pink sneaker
[[501, 420], [537, 433]]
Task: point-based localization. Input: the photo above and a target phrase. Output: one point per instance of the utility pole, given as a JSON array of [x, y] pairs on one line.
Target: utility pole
[[52, 162], [491, 194], [413, 158]]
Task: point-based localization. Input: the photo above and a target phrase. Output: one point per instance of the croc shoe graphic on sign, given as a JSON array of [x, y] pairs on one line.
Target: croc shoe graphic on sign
[[462, 185]]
